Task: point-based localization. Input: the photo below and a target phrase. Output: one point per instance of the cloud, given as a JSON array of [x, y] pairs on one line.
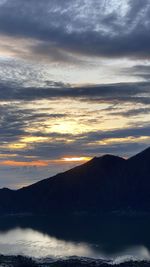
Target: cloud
[[121, 92], [131, 112], [91, 28], [44, 45], [119, 133], [89, 144], [141, 71], [47, 122]]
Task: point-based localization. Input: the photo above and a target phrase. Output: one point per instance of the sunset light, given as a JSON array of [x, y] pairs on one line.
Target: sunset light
[[76, 159], [74, 84]]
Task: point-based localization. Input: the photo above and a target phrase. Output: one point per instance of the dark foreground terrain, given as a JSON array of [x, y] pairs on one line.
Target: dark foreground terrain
[[20, 261]]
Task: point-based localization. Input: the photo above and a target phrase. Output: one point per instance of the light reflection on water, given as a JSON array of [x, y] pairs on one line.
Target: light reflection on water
[[33, 243]]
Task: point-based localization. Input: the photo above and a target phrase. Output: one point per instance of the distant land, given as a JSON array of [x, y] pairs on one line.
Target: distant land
[[107, 184]]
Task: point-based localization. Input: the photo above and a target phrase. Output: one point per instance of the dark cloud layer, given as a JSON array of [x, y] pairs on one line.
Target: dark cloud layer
[[121, 92], [91, 28]]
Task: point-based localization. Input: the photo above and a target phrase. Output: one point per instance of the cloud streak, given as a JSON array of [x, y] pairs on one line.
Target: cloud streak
[[121, 92]]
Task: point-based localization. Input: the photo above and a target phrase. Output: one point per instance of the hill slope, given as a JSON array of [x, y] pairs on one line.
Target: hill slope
[[104, 184]]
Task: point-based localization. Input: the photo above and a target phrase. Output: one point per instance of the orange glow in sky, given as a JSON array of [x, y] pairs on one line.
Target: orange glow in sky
[[76, 159], [38, 163], [42, 163]]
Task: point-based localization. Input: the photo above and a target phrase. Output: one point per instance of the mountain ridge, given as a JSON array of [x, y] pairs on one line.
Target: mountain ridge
[[103, 184]]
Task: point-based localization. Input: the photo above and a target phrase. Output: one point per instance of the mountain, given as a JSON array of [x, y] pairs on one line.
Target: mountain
[[103, 184]]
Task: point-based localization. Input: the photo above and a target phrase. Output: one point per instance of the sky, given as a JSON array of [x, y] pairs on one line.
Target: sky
[[74, 84]]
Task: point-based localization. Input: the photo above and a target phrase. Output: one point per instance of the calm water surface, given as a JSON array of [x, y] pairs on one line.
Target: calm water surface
[[105, 238]]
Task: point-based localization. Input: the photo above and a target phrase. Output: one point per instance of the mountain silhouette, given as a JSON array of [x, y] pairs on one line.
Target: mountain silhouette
[[102, 185]]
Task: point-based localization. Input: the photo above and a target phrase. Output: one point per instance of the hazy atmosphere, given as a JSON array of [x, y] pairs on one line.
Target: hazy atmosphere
[[74, 84]]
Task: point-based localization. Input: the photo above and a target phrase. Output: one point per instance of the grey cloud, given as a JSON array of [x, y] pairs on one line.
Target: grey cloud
[[123, 133], [79, 27], [131, 112], [121, 92], [140, 71], [14, 122], [11, 124]]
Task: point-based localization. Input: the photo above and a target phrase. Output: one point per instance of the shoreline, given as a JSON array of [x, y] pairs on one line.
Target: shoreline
[[23, 261]]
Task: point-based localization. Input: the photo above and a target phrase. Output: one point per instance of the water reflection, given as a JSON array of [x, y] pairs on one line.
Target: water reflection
[[35, 244], [106, 238]]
